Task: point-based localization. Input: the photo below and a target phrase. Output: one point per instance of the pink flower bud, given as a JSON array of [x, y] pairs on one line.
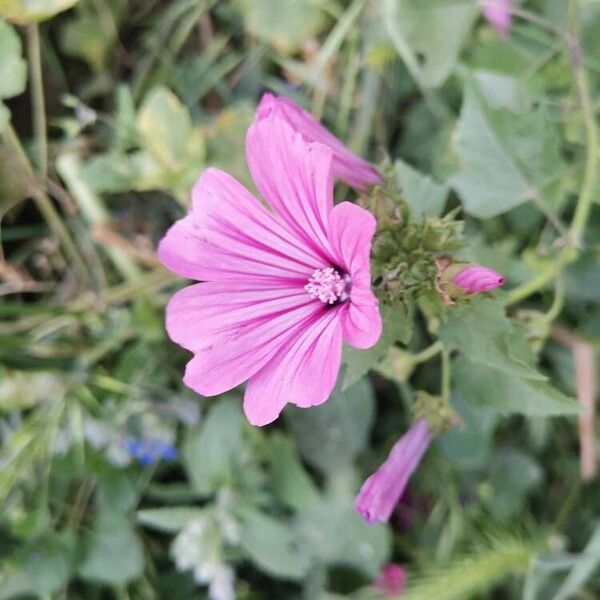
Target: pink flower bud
[[380, 493], [347, 166], [475, 279], [497, 13], [391, 581]]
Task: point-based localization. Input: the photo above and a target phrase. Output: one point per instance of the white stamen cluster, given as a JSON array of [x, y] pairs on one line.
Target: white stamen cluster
[[327, 285]]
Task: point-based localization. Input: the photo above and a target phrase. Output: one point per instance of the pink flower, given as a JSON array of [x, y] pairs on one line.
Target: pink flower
[[391, 581], [347, 166], [380, 493], [476, 279], [283, 287], [498, 15]]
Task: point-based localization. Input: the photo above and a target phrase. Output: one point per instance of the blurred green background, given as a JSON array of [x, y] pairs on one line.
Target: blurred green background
[[118, 482]]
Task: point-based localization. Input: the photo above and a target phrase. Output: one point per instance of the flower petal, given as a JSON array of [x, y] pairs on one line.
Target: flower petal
[[347, 166], [295, 178], [361, 320], [238, 356], [351, 230], [304, 372], [228, 235], [204, 315]]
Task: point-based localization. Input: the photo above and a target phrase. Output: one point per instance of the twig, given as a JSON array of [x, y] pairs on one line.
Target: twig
[[37, 97]]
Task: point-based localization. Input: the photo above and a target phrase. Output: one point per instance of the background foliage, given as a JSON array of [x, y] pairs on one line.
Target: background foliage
[[117, 482]]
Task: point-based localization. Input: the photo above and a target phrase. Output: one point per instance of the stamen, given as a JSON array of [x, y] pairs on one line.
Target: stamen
[[328, 286]]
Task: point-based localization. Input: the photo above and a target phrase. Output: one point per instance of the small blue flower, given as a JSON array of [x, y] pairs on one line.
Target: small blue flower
[[148, 452]]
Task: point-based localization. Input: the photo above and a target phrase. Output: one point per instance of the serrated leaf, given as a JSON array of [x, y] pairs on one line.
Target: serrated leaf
[[32, 11], [331, 435], [479, 329], [168, 135], [397, 327], [424, 196], [271, 544], [505, 157], [114, 552], [169, 519], [482, 385], [13, 68], [430, 56]]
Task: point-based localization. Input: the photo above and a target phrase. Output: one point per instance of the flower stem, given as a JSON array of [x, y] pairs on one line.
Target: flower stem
[[45, 205], [586, 193], [37, 97], [428, 353]]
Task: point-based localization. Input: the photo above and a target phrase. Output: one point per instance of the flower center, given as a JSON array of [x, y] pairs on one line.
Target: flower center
[[328, 285]]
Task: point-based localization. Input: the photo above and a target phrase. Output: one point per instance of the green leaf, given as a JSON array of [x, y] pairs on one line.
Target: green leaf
[[285, 24], [331, 435], [506, 157], [114, 172], [13, 75], [425, 197], [171, 519], [14, 184], [211, 452], [482, 385], [114, 552], [31, 11], [429, 34], [82, 38], [291, 483], [166, 132], [479, 329], [397, 327], [335, 534], [271, 544], [50, 564], [513, 476]]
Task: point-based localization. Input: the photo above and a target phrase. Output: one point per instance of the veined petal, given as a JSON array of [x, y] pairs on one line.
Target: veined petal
[[205, 314], [243, 350], [295, 178], [351, 230], [228, 235], [303, 372], [380, 493], [361, 320], [347, 166]]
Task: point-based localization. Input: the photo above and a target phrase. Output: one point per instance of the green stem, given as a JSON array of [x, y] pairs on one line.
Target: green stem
[[45, 205], [446, 375], [586, 193], [428, 353], [37, 97]]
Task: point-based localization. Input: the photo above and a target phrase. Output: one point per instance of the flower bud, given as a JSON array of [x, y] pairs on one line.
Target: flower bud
[[380, 493], [475, 279], [391, 581]]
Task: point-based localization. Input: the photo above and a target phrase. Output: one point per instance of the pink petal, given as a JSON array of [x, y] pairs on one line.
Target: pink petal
[[476, 279], [498, 14], [351, 230], [304, 372], [203, 315], [347, 166], [242, 350], [294, 177], [380, 493], [228, 236]]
